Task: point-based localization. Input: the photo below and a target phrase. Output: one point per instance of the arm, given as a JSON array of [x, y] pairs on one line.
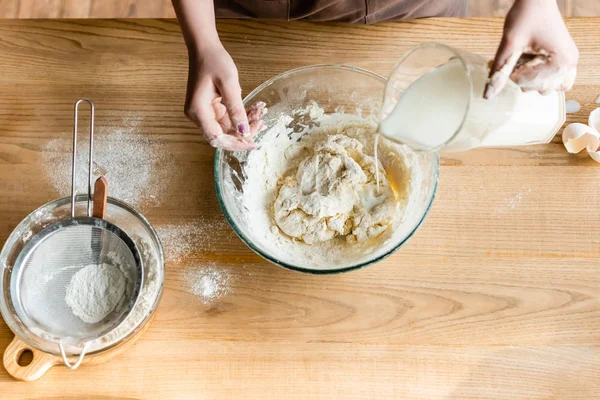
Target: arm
[[536, 51], [197, 21], [214, 97]]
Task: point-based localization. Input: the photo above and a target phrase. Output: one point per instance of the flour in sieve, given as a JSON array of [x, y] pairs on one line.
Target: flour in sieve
[[136, 166], [148, 299], [95, 291]]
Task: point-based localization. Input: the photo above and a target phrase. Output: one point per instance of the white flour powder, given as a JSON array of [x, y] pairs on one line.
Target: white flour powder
[[208, 282], [95, 291], [148, 296], [182, 242], [136, 166]]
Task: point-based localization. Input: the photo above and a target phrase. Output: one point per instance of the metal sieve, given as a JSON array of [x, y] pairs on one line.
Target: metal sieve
[[44, 269]]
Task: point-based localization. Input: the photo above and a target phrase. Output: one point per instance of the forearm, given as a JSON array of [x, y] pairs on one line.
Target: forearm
[[197, 21]]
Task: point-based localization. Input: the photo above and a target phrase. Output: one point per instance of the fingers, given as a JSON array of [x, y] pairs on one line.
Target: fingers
[[232, 99], [211, 116], [256, 127], [569, 79], [507, 56], [201, 111], [544, 77], [256, 111], [254, 114], [229, 142]]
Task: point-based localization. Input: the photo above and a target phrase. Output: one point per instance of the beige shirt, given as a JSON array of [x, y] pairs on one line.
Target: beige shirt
[[360, 11]]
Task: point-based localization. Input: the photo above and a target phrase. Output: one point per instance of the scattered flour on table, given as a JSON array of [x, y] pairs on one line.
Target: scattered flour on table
[[147, 300], [181, 242], [513, 202], [208, 281], [94, 291], [136, 166]]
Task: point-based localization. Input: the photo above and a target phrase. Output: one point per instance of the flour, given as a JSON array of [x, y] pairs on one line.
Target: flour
[[182, 241], [513, 202], [148, 299], [94, 291], [131, 161], [208, 282]]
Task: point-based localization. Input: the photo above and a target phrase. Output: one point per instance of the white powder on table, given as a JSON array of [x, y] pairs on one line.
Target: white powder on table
[[94, 291], [513, 202], [182, 242], [208, 282], [131, 161]]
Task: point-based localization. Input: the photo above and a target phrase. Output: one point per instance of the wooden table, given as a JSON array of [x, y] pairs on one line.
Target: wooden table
[[496, 297]]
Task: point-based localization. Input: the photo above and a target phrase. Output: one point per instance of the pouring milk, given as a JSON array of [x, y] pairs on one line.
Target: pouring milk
[[444, 109]]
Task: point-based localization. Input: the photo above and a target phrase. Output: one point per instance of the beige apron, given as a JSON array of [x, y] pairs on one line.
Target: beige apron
[[360, 11]]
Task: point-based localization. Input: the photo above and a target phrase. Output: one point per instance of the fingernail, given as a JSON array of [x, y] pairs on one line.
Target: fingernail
[[489, 92], [243, 128]]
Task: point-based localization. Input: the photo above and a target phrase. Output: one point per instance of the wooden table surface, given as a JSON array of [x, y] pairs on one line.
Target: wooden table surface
[[496, 297]]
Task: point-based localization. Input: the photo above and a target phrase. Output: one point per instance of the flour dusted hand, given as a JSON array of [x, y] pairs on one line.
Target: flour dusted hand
[[95, 291]]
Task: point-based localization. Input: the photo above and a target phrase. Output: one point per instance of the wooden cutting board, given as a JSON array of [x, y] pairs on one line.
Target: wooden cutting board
[[496, 297]]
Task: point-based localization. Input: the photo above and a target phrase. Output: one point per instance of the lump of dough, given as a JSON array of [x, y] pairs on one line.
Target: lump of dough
[[333, 193]]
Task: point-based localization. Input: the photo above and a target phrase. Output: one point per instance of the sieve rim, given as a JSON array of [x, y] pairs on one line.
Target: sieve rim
[[20, 235], [46, 233]]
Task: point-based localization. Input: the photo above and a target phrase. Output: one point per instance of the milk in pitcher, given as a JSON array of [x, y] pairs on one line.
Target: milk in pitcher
[[445, 110]]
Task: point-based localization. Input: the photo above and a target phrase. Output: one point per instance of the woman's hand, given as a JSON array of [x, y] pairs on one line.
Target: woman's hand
[[214, 98], [214, 101], [536, 52]]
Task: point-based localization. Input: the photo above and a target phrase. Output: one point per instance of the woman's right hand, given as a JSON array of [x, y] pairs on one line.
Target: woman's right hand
[[214, 100]]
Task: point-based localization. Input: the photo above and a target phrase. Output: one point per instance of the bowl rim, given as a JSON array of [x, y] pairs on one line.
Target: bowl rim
[[219, 188]]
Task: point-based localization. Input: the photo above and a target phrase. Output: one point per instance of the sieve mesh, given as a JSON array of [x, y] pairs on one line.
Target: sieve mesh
[[44, 269]]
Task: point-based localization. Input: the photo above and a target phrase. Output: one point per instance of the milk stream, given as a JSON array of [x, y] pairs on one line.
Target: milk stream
[[430, 114], [376, 161]]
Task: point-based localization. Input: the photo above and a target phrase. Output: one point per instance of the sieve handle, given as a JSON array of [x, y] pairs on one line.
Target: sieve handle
[[77, 363], [100, 198], [74, 162], [39, 365]]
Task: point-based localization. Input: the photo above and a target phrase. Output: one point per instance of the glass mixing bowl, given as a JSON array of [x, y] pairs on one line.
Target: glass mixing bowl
[[335, 89]]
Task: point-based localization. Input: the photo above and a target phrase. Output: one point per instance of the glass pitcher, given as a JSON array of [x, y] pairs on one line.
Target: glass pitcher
[[434, 101]]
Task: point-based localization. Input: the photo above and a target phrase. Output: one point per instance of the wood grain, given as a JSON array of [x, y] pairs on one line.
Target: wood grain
[[496, 297]]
